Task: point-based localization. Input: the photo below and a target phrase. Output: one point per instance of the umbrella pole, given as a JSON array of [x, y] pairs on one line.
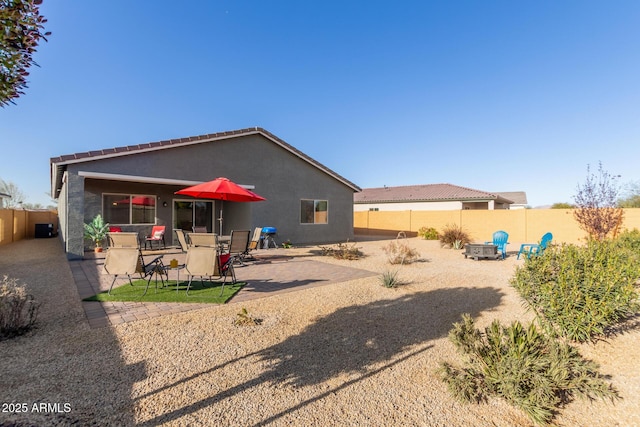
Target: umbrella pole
[[220, 219]]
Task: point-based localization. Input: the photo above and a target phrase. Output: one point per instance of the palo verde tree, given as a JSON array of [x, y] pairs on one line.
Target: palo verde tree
[[21, 29], [596, 204]]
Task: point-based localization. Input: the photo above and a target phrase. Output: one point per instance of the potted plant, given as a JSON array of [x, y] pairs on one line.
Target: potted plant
[[96, 231]]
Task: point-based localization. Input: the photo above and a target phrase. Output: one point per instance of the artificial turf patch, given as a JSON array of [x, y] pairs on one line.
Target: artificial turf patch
[[210, 293]]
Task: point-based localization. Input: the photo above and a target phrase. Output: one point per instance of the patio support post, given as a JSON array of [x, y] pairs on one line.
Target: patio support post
[[74, 239]]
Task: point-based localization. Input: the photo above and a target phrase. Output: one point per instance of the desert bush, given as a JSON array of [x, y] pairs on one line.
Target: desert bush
[[580, 291], [18, 309], [243, 318], [454, 236], [630, 239], [398, 252], [428, 233], [522, 365], [342, 251]]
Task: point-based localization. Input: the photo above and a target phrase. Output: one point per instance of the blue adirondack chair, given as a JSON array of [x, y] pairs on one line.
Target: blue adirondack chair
[[501, 240], [535, 248]]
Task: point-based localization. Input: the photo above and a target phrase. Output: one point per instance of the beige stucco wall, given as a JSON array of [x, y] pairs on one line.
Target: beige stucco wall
[[6, 226], [20, 224], [523, 225]]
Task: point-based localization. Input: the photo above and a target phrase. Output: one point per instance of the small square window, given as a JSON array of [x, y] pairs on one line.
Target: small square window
[[314, 211]]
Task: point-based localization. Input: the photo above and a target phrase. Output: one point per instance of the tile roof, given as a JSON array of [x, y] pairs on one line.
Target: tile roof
[[518, 197], [58, 164], [423, 193]]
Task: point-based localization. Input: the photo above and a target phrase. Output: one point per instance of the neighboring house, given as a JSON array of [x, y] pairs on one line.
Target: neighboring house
[[519, 198], [427, 197], [2, 197], [133, 187]]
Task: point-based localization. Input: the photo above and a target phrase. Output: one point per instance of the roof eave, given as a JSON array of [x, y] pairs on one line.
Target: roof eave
[[425, 200], [60, 163]]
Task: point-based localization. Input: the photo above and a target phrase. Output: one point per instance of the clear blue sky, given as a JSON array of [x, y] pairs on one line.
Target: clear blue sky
[[492, 95]]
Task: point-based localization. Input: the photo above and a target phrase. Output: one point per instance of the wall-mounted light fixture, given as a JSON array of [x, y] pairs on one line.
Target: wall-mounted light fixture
[[164, 204]]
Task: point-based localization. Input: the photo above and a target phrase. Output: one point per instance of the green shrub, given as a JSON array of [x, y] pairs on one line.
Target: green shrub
[[96, 230], [399, 252], [579, 292], [454, 236], [522, 365], [428, 233], [18, 310], [630, 239]]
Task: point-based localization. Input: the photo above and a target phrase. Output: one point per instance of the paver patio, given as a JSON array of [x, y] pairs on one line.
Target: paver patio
[[273, 271]]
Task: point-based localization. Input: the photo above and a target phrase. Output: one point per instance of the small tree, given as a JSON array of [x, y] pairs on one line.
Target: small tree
[[597, 210], [21, 30], [17, 196], [631, 198]]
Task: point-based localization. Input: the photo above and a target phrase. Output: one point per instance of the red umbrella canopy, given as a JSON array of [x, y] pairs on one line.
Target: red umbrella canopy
[[138, 200], [221, 189]]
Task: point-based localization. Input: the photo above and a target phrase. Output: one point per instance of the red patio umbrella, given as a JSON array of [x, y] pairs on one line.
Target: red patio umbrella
[[139, 200], [221, 189]]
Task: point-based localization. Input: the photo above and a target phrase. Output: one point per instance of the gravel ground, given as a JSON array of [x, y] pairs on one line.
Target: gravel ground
[[351, 353]]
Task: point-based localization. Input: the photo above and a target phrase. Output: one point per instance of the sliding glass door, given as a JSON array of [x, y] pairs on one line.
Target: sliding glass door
[[193, 213]]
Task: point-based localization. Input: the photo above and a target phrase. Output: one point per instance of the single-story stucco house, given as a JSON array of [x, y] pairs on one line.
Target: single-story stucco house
[[427, 197], [133, 187], [519, 198]]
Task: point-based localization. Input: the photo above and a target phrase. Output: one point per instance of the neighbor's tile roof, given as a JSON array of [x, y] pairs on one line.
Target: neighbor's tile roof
[[518, 197], [423, 193], [58, 164]]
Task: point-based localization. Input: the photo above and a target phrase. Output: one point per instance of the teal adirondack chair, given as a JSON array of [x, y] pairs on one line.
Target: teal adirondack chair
[[535, 248], [501, 240]]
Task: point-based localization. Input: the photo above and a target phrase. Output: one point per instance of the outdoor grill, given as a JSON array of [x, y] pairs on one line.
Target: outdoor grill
[[267, 237]]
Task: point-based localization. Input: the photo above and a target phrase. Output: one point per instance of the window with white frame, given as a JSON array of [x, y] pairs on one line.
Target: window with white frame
[[129, 208], [314, 211]]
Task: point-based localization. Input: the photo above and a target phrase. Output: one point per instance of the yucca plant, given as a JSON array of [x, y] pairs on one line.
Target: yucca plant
[[389, 279]]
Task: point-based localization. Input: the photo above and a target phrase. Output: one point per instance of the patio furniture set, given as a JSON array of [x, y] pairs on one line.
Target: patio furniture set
[[497, 248], [207, 255]]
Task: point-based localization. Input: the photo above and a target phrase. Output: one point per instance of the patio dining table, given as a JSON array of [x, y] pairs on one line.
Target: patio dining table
[[208, 239]]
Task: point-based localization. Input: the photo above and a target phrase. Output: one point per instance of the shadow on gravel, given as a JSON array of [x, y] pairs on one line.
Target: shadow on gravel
[[360, 341], [61, 373]]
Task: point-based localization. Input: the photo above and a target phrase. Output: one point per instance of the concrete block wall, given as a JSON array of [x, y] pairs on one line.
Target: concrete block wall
[[523, 225]]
